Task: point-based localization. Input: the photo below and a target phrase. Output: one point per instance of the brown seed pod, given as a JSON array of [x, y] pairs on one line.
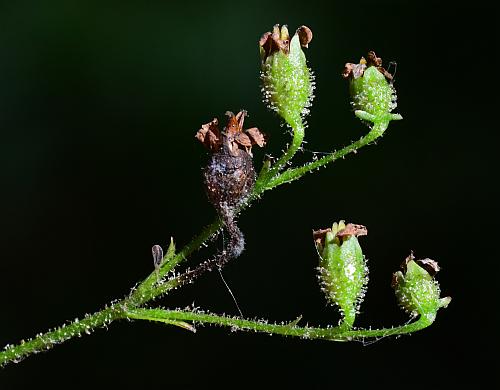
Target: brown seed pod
[[229, 178]]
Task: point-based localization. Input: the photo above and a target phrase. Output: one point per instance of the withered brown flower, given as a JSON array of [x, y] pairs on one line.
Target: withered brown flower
[[234, 138], [357, 70], [229, 176]]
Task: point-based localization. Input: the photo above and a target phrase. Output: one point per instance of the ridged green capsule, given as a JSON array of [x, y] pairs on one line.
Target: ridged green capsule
[[417, 291], [372, 90], [343, 273], [287, 83]]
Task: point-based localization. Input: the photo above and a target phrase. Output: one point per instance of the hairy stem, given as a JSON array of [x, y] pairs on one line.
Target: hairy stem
[[63, 333], [293, 174], [338, 333], [143, 293], [267, 175]]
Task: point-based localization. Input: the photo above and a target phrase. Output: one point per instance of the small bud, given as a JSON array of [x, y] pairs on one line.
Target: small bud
[[415, 287], [287, 83], [157, 252], [157, 259], [343, 272], [372, 90]]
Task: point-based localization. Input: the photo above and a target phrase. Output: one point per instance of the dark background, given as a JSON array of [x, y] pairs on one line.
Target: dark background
[[99, 104]]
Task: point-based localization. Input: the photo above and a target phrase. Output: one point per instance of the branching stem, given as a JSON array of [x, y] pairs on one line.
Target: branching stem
[[297, 139], [149, 289], [293, 174], [337, 333]]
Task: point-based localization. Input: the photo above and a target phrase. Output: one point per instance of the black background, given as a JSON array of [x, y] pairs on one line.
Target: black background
[[99, 104]]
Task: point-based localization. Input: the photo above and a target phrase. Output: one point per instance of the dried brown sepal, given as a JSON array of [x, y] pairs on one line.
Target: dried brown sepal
[[405, 262], [373, 60], [238, 139], [354, 70], [243, 140], [234, 123], [258, 138], [319, 235], [263, 41], [431, 266], [387, 75], [210, 136], [276, 40], [352, 229], [234, 138], [348, 67], [357, 70], [395, 279], [279, 39], [305, 35]]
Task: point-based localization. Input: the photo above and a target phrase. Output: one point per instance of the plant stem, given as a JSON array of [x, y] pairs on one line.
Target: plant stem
[[145, 291], [297, 139], [338, 333], [293, 174], [63, 333]]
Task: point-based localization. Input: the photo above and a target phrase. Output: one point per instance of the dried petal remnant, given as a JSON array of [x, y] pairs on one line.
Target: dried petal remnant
[[210, 136], [431, 266], [279, 39], [352, 229], [343, 231], [354, 70], [305, 35], [319, 235], [233, 138], [256, 136], [373, 60], [357, 70]]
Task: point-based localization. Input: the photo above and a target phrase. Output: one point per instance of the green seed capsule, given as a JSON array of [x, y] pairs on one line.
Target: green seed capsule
[[417, 291], [287, 83], [342, 269], [372, 90]]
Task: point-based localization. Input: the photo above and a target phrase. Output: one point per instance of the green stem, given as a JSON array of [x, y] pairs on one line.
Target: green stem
[[349, 316], [338, 333], [298, 137], [293, 174], [144, 292], [63, 333]]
